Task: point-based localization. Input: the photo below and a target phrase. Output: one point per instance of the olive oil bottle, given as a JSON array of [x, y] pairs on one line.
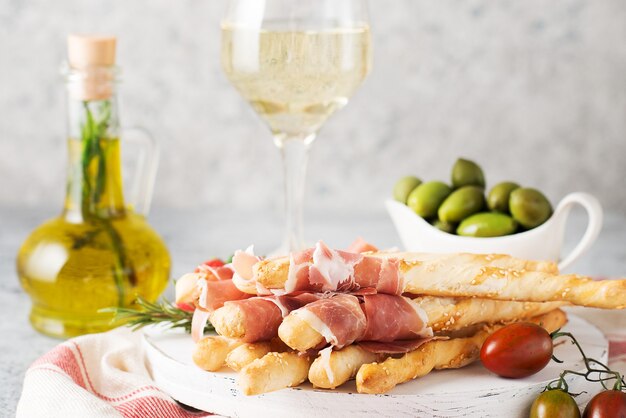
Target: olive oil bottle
[[100, 252]]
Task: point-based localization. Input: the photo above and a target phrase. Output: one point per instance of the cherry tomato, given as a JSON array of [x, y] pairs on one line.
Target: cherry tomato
[[554, 404], [517, 350], [607, 404], [185, 306], [216, 262]]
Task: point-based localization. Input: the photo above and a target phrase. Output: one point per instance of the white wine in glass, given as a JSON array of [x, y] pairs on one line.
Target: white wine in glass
[[296, 62]]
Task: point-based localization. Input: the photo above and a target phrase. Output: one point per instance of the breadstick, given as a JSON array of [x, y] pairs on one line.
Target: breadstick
[[450, 314], [256, 319], [247, 353], [210, 352], [274, 371], [438, 354], [298, 334], [509, 284], [489, 276], [272, 273], [229, 322], [444, 314], [332, 369]]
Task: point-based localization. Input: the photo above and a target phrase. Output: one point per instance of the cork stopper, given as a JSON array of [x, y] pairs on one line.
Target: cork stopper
[[90, 51], [93, 56]]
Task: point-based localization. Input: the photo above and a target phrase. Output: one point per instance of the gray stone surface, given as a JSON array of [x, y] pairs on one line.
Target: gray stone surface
[[535, 90], [193, 236]]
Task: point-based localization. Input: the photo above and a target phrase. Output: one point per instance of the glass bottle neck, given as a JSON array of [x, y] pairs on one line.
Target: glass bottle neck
[[94, 186]]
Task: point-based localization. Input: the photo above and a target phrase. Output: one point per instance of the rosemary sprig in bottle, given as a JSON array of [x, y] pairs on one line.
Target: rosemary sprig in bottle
[[94, 134]]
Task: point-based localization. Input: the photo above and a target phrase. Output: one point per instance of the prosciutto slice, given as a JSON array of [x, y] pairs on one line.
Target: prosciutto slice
[[394, 323], [263, 315], [208, 287], [338, 318], [198, 322], [206, 290], [298, 276], [213, 294], [322, 269], [392, 318]]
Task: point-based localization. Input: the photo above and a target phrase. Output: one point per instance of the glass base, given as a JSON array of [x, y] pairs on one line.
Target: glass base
[[67, 324]]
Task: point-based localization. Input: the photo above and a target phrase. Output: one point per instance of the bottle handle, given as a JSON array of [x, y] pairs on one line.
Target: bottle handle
[[147, 162], [594, 213]]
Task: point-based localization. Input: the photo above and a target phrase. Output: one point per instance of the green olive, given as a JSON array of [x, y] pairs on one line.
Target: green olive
[[426, 198], [487, 224], [529, 207], [554, 403], [467, 173], [444, 226], [498, 197], [404, 186], [462, 203]]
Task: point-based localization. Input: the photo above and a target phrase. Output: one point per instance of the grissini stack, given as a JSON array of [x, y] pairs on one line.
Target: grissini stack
[[381, 317], [267, 371]]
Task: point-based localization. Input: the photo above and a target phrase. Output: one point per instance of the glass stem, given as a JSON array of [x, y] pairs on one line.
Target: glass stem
[[294, 151]]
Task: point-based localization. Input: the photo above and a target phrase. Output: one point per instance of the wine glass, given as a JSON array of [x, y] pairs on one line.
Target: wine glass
[[296, 62]]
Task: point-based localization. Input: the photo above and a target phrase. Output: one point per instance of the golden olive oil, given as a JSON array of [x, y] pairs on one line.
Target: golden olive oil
[[69, 282], [70, 266]]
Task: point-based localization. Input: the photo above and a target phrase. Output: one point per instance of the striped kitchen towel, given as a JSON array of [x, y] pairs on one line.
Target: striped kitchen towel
[[97, 375]]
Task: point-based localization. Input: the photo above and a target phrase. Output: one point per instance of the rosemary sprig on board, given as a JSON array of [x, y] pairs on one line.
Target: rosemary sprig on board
[[161, 312]]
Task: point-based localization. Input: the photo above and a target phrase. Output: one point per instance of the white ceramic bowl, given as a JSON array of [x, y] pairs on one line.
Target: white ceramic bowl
[[541, 243]]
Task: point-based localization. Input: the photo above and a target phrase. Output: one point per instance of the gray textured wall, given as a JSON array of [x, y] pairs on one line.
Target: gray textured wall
[[534, 90]]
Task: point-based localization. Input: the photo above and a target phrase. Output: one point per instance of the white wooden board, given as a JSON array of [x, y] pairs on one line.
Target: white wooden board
[[469, 392]]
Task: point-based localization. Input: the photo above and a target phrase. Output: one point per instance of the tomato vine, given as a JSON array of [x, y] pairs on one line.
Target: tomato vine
[[596, 371]]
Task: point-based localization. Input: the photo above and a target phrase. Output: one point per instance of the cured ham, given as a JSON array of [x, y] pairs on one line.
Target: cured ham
[[391, 318], [339, 318], [258, 318], [204, 291], [198, 322], [213, 294], [190, 286], [343, 319], [243, 264], [298, 275], [208, 287], [332, 270], [324, 269]]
